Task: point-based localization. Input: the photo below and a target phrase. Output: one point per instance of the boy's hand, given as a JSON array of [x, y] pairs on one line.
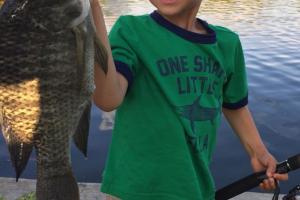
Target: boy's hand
[[267, 162]]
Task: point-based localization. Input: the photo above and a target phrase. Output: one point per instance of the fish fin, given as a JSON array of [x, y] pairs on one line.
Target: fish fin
[[183, 109], [193, 126], [177, 108], [82, 131], [197, 100], [101, 56], [19, 151], [79, 46], [205, 143], [19, 155]]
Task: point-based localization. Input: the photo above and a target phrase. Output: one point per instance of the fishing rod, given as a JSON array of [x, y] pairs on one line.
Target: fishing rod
[[253, 180], [292, 193]]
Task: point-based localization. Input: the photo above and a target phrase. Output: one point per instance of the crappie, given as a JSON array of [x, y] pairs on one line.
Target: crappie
[[47, 54]]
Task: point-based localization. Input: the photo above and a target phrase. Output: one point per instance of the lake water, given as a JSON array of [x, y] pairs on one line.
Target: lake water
[[270, 34]]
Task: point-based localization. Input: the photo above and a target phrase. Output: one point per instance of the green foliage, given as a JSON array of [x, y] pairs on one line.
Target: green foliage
[[1, 197], [29, 196]]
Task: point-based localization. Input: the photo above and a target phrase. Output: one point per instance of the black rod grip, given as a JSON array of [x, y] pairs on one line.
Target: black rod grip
[[255, 179]]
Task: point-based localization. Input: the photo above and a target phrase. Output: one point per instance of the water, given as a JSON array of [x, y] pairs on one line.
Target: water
[[270, 32]]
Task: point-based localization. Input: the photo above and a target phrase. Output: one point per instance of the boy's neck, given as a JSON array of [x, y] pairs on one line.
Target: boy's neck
[[187, 21]]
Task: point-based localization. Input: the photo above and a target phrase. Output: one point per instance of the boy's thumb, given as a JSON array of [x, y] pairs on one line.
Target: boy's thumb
[[271, 168]]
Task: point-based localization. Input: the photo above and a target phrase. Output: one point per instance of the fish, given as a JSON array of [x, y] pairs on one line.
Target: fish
[[195, 112], [48, 49]]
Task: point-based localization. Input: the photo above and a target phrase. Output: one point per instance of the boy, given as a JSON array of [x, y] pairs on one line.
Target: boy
[[172, 73]]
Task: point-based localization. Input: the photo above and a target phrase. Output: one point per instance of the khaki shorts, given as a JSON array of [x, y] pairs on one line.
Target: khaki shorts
[[108, 197]]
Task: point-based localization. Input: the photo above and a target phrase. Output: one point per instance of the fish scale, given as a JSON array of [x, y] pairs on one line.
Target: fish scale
[[46, 83]]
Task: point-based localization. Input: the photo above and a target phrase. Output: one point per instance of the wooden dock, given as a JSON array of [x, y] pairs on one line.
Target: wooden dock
[[11, 190]]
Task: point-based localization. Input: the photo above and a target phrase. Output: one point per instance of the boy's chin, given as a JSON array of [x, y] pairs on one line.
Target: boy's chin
[[169, 12]]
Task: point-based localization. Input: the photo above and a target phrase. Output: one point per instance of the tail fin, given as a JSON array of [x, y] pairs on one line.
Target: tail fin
[[59, 187]]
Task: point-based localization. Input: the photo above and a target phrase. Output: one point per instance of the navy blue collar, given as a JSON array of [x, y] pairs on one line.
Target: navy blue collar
[[209, 38]]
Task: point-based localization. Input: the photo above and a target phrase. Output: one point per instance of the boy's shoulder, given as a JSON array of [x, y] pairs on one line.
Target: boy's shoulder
[[224, 33], [223, 30]]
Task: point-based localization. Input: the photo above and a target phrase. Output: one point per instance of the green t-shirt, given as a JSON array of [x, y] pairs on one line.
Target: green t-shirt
[[165, 130]]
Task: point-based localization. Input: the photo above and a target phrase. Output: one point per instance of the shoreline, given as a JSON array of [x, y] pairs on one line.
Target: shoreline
[[11, 190]]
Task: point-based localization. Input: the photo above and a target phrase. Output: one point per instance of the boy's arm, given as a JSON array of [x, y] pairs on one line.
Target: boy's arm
[[111, 87], [242, 123]]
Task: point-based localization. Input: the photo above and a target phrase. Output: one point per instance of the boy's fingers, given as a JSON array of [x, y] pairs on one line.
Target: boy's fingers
[[272, 183], [281, 177], [268, 184], [271, 169], [261, 185]]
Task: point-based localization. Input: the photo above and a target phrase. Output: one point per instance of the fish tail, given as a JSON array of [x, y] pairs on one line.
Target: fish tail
[[59, 187], [55, 180], [82, 132], [193, 126]]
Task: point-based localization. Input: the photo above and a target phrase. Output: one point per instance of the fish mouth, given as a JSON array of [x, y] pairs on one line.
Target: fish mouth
[[49, 16], [85, 12]]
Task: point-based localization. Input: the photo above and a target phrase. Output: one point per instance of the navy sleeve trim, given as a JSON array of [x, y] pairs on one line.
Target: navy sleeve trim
[[124, 69], [237, 105]]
